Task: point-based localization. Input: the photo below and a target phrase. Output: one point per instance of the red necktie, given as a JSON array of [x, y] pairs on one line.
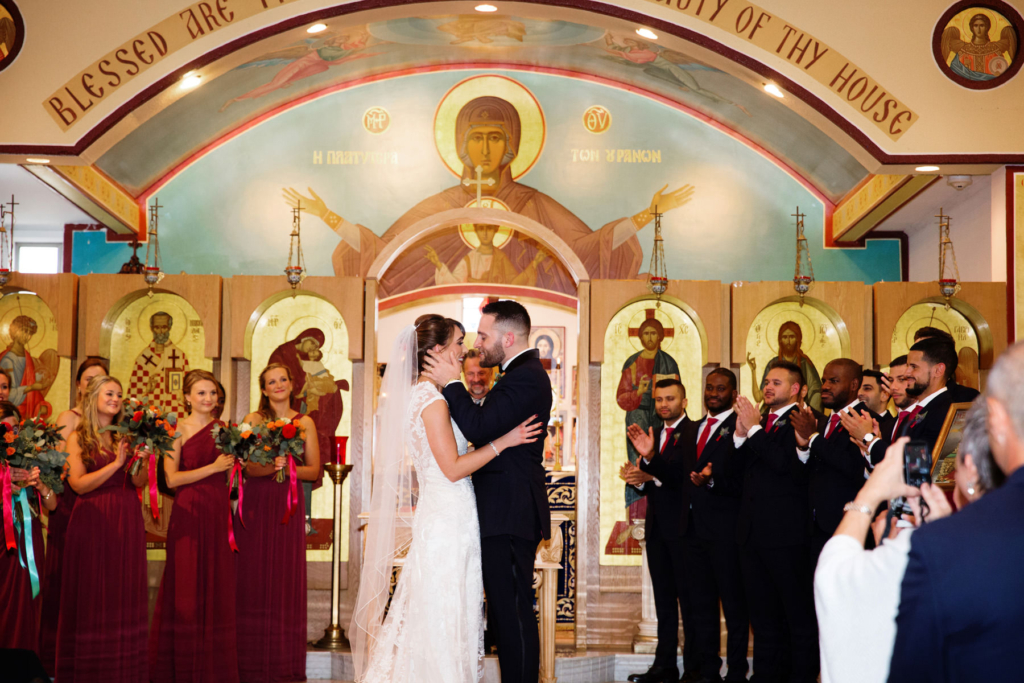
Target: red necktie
[[899, 423], [668, 435], [772, 417], [712, 421], [832, 422]]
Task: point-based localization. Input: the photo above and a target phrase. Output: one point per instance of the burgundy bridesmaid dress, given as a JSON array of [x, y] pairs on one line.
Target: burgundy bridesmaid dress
[[19, 613], [56, 535], [101, 633], [271, 584], [193, 634]]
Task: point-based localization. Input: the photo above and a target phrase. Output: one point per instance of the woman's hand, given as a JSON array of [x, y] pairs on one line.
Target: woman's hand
[[938, 505], [280, 462], [886, 482], [18, 474], [223, 463], [122, 453], [527, 432]]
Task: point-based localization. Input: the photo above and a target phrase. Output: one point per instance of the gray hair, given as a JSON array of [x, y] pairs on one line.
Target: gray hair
[[1006, 386], [975, 444]]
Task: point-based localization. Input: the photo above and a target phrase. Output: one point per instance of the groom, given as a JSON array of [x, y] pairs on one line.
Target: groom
[[511, 498]]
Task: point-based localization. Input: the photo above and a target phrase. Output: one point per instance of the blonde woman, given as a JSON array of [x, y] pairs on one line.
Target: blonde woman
[[103, 606]]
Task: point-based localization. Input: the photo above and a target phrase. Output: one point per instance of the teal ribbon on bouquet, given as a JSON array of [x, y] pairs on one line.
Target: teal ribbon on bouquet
[[25, 528]]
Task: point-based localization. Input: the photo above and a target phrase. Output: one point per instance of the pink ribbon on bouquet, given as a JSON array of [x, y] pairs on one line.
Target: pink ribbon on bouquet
[[153, 493], [293, 491], [5, 483], [236, 470]]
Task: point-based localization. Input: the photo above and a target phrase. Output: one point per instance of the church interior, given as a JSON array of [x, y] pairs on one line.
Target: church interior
[[227, 184]]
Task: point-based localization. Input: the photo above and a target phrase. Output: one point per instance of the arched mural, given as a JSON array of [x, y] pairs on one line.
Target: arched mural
[[644, 342], [307, 334]]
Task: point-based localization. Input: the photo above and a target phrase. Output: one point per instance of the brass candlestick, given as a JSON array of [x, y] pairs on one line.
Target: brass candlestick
[[334, 638]]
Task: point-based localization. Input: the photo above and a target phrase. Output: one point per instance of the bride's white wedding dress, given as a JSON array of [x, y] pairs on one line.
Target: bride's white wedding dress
[[433, 632]]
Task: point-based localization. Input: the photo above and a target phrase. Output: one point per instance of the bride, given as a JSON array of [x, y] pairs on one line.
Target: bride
[[433, 632]]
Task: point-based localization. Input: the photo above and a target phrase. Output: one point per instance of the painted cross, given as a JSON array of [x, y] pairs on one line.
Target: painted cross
[[479, 182], [149, 360], [648, 314], [174, 360]]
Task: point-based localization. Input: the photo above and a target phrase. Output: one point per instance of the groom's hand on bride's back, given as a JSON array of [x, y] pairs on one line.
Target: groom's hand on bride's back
[[442, 367]]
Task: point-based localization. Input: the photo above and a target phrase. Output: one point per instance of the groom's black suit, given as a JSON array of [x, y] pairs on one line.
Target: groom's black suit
[[512, 505]]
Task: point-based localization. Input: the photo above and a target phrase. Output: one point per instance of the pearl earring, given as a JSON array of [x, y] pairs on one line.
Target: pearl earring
[[970, 488]]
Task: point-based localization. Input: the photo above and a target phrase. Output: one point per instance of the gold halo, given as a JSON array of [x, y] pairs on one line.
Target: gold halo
[[995, 19], [775, 322], [179, 318], [34, 307], [662, 317], [531, 119], [304, 323], [468, 233]]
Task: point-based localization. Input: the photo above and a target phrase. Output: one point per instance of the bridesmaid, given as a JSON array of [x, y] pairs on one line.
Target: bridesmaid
[[57, 525], [17, 607], [101, 635], [193, 634], [272, 555]]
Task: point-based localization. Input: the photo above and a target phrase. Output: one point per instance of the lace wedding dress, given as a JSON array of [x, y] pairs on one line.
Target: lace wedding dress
[[433, 632]]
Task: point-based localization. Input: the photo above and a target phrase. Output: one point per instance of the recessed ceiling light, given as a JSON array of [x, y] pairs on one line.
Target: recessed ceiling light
[[773, 89], [316, 28], [926, 169], [191, 80], [647, 33], [32, 160], [486, 8]]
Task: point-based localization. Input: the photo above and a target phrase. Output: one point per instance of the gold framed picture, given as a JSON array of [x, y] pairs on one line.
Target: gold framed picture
[[945, 451]]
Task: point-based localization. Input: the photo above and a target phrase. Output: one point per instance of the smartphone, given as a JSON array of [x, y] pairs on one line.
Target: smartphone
[[917, 470], [917, 463]]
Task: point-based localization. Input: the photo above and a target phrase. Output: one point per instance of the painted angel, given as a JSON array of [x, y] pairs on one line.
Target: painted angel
[[307, 58], [979, 59]]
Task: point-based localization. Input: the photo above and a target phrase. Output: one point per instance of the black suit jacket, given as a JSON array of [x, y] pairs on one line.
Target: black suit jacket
[[716, 508], [511, 497], [773, 507], [836, 475], [927, 426], [961, 612], [960, 393], [668, 505]]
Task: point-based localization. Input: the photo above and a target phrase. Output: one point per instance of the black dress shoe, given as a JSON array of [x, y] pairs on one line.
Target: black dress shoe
[[656, 674]]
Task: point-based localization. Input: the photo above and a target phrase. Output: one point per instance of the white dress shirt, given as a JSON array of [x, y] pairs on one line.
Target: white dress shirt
[[857, 597], [805, 453], [740, 440]]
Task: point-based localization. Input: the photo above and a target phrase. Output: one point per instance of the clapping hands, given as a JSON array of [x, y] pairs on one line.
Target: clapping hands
[[633, 475], [746, 416], [804, 424], [642, 441]]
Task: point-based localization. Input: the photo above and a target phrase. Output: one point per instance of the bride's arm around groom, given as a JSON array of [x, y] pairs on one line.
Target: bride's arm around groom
[[510, 491]]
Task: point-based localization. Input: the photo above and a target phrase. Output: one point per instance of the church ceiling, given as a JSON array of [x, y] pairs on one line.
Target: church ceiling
[[260, 80]]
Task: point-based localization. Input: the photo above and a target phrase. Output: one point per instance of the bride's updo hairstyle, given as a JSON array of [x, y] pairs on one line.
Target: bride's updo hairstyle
[[431, 330]]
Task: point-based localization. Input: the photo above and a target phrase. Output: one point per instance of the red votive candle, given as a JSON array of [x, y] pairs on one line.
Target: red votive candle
[[340, 443]]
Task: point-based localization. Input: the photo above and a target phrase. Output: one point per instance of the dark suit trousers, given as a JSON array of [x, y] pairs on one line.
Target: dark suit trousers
[[780, 596], [508, 582], [666, 560], [817, 543], [714, 568]]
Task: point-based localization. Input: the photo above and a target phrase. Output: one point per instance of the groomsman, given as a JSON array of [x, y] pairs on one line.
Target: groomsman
[[663, 476], [958, 392], [772, 531], [713, 558], [875, 392], [837, 466], [930, 364]]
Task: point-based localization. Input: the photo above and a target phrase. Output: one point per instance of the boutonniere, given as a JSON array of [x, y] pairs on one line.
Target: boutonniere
[[675, 438], [780, 423], [724, 431], [920, 416]]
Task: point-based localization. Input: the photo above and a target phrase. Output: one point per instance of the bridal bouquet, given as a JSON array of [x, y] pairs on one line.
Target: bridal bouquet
[[149, 429], [241, 441], [33, 443], [284, 438]]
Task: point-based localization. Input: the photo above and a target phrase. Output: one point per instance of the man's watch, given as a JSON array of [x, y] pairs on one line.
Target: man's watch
[[869, 438]]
